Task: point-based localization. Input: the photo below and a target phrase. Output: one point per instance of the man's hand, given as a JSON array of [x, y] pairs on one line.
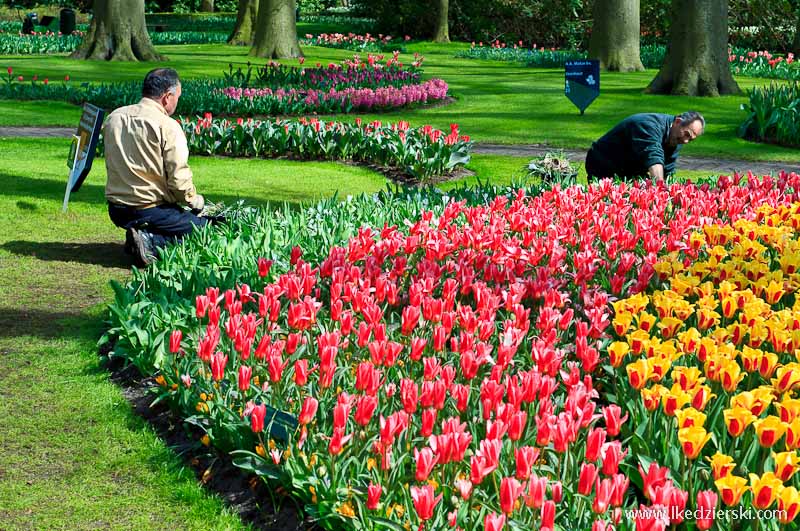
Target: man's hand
[[656, 171]]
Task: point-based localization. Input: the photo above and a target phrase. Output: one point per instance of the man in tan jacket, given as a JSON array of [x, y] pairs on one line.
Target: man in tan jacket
[[149, 180]]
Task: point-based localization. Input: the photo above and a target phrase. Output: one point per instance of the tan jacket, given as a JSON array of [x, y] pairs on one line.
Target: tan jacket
[[147, 158]]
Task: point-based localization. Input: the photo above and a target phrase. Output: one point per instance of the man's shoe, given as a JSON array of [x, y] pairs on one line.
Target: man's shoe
[[143, 250]]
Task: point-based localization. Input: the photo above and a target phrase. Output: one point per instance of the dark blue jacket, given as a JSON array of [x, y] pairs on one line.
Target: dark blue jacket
[[632, 146]]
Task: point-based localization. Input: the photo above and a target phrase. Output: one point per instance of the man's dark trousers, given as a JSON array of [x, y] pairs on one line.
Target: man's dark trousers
[[166, 223]]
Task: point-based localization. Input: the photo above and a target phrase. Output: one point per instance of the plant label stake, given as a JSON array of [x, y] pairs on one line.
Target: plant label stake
[[82, 149], [582, 82]]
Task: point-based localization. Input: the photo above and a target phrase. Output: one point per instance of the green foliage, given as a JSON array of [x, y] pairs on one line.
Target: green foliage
[[15, 44], [543, 22], [420, 153], [188, 22], [552, 168], [652, 55], [773, 115]]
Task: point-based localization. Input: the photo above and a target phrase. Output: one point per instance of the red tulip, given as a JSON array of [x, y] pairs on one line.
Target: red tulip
[[587, 478], [373, 496], [428, 421], [494, 522], [612, 455], [175, 341], [424, 501], [510, 490], [257, 418], [602, 497], [425, 461], [706, 505], [245, 373], [365, 407], [516, 428], [525, 457], [548, 515], [536, 490], [308, 410], [264, 265], [611, 414], [338, 440], [218, 362], [301, 372]]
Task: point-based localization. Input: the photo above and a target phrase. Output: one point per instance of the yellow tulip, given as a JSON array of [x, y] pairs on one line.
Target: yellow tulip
[[689, 340], [693, 440], [721, 465], [737, 419], [622, 322], [689, 417], [729, 306], [651, 396], [731, 488], [700, 397], [737, 332], [638, 341], [767, 364], [763, 396], [675, 399], [730, 374], [769, 430], [668, 326], [765, 489], [788, 505], [616, 352], [645, 321], [773, 292], [706, 318], [750, 358], [789, 409], [659, 366], [687, 377], [638, 373], [708, 347], [788, 377], [786, 464]]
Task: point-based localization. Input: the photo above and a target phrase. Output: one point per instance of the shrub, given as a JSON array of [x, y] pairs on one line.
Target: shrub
[[773, 115], [46, 43], [552, 168]]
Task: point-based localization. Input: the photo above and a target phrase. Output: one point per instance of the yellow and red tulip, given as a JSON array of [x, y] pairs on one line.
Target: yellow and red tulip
[[721, 465], [769, 430], [765, 489], [786, 464], [731, 488], [693, 440], [689, 417], [638, 373], [788, 505], [737, 419], [617, 352]]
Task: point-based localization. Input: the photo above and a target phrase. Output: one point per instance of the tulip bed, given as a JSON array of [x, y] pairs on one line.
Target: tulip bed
[[45, 43], [353, 41], [272, 90], [438, 360], [652, 56], [772, 114], [421, 153]]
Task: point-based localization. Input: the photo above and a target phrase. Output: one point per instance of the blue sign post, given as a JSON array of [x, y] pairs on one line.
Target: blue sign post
[[582, 82]]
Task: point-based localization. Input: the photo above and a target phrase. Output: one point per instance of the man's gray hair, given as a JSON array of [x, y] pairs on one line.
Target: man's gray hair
[[690, 116], [159, 81]]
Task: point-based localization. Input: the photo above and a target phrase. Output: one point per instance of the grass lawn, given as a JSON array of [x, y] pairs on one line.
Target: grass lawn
[[496, 102]]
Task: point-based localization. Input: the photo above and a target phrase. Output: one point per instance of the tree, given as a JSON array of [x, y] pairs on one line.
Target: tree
[[697, 59], [276, 30], [615, 35], [245, 28], [117, 33], [442, 33], [207, 6], [796, 41]]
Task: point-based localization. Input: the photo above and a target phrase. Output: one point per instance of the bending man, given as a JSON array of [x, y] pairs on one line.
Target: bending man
[[645, 144], [149, 179]]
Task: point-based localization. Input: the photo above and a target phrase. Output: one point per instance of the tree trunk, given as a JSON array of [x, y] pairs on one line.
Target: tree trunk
[[207, 6], [796, 42], [442, 33], [245, 28], [697, 59], [276, 30], [615, 35], [117, 33]]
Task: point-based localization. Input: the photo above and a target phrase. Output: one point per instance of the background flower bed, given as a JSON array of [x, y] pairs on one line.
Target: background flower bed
[[438, 308], [44, 43], [355, 42], [420, 153], [272, 90], [773, 115]]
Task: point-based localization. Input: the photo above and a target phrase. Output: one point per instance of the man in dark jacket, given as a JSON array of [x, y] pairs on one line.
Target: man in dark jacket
[[645, 144]]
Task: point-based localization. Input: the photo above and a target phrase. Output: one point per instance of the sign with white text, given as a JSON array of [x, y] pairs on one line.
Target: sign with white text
[[582, 82]]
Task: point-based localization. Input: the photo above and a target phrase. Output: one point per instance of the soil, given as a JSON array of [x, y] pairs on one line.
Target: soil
[[246, 494]]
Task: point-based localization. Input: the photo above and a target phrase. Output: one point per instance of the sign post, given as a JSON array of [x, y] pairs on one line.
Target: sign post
[[82, 149], [582, 82]]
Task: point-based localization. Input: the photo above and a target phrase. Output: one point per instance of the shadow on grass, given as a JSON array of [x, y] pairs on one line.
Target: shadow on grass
[[37, 322], [102, 254]]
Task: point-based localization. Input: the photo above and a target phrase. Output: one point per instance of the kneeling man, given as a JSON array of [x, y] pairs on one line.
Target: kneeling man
[[645, 144], [149, 180]]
